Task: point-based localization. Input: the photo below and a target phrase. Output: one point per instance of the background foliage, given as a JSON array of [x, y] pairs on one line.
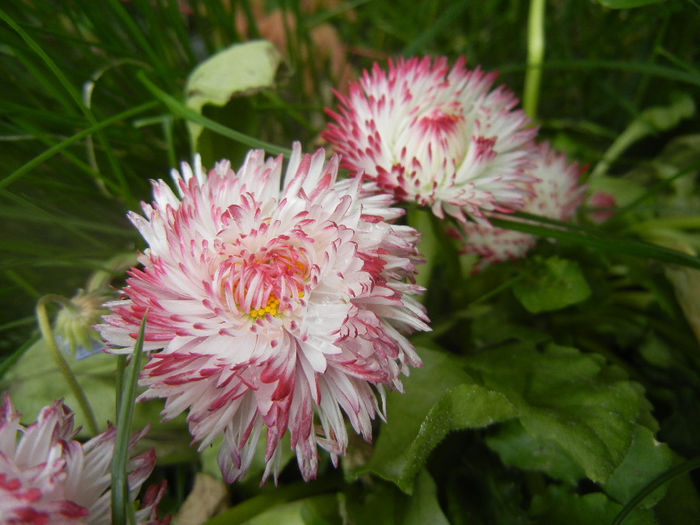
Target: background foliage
[[553, 388]]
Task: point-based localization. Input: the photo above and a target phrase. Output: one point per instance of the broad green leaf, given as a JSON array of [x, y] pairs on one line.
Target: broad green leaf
[[555, 284], [627, 4], [439, 398], [35, 381], [423, 506], [276, 497], [517, 448], [569, 399], [646, 458], [317, 510], [681, 504], [560, 505], [384, 504], [239, 70]]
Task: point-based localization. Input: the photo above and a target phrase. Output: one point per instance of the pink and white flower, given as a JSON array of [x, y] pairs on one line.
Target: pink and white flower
[[271, 308], [436, 136], [556, 195], [47, 477]]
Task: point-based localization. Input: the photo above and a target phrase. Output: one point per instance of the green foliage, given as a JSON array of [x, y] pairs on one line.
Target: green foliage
[[552, 285], [383, 503], [560, 507], [439, 399], [554, 389]]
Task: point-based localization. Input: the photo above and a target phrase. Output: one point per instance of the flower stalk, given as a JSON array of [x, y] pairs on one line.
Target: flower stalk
[[61, 363], [535, 55]]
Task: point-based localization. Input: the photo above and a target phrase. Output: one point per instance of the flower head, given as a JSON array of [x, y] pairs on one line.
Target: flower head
[[436, 136], [556, 195], [46, 477], [74, 324], [271, 308]]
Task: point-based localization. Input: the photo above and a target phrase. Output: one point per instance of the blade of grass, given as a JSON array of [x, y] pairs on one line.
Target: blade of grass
[[22, 283], [182, 111], [434, 30], [595, 239], [652, 191], [616, 65], [122, 509], [70, 140], [117, 7], [74, 94]]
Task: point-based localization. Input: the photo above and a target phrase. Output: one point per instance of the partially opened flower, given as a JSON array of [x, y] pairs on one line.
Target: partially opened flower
[[46, 477], [436, 136], [556, 195], [271, 308]]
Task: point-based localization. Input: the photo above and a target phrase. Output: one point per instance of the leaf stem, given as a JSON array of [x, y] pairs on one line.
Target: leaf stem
[[64, 368]]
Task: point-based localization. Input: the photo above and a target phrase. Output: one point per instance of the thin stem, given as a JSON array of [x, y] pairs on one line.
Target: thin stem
[[535, 55], [667, 476], [66, 372]]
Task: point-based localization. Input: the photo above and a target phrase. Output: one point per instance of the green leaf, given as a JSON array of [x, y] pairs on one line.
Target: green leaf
[[561, 506], [568, 399], [681, 505], [239, 70], [35, 381], [646, 458], [517, 448], [317, 510], [627, 4], [383, 504], [555, 284], [273, 498], [439, 398]]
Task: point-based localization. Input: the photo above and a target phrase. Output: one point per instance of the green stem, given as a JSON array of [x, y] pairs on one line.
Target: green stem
[[66, 372], [180, 110], [535, 55]]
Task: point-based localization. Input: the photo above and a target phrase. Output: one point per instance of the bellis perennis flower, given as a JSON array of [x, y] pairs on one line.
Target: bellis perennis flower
[[556, 195], [271, 308], [46, 477], [436, 136]]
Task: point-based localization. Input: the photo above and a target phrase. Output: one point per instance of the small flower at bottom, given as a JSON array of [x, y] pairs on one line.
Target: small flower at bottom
[[46, 477], [437, 136], [556, 195], [271, 309]]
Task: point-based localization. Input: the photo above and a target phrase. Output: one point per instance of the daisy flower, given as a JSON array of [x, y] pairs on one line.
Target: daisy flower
[[556, 195], [273, 303], [46, 477], [437, 136]]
